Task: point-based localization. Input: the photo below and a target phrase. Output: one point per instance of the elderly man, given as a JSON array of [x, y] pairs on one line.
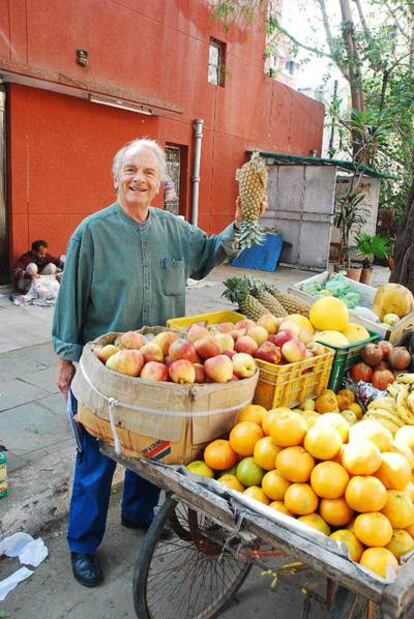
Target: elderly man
[[35, 262], [126, 267]]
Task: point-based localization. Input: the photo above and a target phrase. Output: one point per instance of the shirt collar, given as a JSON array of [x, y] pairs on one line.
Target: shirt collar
[[129, 220]]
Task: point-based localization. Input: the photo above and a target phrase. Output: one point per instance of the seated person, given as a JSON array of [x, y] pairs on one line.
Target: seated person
[[34, 263]]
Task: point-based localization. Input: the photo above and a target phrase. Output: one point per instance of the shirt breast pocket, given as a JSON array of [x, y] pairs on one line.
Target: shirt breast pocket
[[173, 275]]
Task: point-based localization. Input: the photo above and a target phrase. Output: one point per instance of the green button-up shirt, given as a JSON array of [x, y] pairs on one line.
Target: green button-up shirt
[[121, 275]]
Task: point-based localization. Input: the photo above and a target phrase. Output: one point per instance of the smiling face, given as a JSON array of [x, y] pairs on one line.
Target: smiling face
[[139, 179]]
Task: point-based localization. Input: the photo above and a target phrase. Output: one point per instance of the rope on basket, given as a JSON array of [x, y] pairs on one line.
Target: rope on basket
[[113, 402]]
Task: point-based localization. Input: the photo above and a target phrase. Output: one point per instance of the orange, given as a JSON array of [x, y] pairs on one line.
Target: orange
[[231, 481], [379, 560], [357, 409], [355, 548], [401, 543], [270, 415], [348, 394], [288, 429], [336, 512], [295, 464], [373, 529], [219, 456], [323, 442], [257, 493], [361, 457], [279, 506], [404, 450], [372, 431], [244, 437], [198, 467], [327, 402], [301, 499], [329, 480], [399, 509], [366, 494], [265, 452], [337, 421], [252, 412], [316, 522], [275, 486], [405, 435], [311, 417], [343, 402], [394, 472]]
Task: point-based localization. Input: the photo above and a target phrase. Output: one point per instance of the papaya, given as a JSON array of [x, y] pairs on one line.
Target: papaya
[[393, 299]]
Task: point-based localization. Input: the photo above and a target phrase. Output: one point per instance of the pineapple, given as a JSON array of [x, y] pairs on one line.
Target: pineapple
[[291, 304], [238, 291], [258, 290], [252, 178]]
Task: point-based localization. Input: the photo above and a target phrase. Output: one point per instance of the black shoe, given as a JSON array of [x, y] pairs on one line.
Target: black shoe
[[86, 569], [166, 533]]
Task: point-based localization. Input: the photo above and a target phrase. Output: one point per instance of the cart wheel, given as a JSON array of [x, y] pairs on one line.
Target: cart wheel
[[192, 574]]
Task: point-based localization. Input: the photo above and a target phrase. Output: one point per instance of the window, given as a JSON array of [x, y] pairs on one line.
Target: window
[[290, 67], [216, 62]]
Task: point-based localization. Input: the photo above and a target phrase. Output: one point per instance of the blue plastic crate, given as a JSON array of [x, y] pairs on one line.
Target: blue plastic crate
[[264, 257]]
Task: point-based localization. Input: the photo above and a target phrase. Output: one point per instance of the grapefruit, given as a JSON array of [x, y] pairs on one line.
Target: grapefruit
[[404, 450], [311, 417], [373, 529], [316, 522], [329, 480], [257, 493], [279, 506], [405, 435], [366, 494], [337, 421], [219, 456], [399, 509], [372, 431], [249, 473], [231, 481], [336, 512], [394, 472], [401, 543], [323, 442], [329, 313], [379, 560], [270, 415], [295, 464], [252, 412], [354, 546], [198, 467], [244, 437], [275, 486], [288, 429], [300, 499], [361, 457], [265, 452]]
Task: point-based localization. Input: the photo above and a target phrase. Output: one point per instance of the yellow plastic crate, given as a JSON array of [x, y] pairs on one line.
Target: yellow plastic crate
[[209, 318], [290, 384]]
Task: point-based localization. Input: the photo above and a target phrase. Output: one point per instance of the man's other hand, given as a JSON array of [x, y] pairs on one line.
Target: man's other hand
[[65, 373]]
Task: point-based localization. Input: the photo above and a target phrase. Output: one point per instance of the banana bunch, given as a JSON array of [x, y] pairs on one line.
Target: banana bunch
[[397, 408]]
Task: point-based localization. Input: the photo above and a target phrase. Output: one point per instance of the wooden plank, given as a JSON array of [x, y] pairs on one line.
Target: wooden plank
[[399, 596]]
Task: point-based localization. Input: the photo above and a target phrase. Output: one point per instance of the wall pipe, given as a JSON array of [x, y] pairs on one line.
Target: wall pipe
[[195, 176]]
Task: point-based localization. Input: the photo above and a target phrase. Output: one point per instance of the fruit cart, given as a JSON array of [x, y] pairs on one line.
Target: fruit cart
[[214, 537]]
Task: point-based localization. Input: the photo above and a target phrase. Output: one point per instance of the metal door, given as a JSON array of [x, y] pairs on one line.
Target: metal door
[[4, 262], [301, 206]]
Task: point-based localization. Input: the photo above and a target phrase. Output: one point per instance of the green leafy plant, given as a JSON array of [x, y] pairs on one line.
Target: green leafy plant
[[349, 217], [371, 247]]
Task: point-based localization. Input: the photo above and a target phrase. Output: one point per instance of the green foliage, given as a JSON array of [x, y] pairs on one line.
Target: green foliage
[[373, 246], [349, 217]]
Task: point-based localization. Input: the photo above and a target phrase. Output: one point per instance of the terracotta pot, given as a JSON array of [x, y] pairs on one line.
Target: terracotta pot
[[391, 263], [354, 273], [366, 276]]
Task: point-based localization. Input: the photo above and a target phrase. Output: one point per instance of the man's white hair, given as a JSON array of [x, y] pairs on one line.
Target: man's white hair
[[137, 145]]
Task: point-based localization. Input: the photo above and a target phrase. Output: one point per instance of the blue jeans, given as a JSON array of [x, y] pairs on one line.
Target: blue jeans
[[91, 492]]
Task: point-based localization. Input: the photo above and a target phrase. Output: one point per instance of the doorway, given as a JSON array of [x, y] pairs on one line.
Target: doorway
[[175, 197]]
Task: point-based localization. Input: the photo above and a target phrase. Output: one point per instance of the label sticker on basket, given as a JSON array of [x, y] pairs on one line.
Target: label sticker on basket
[[158, 450]]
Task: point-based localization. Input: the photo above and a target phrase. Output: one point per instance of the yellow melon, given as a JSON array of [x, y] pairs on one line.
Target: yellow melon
[[331, 338], [329, 313], [392, 299], [355, 333]]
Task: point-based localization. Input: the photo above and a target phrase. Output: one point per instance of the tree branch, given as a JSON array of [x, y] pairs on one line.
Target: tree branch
[[325, 20], [293, 39], [393, 13], [362, 19]]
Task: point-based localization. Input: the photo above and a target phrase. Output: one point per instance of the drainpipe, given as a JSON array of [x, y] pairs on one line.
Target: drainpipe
[[195, 177]]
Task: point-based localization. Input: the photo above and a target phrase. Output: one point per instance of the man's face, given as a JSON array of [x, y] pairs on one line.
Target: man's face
[[139, 179], [41, 252]]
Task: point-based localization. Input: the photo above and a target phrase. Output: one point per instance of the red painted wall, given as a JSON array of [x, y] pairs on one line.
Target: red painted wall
[[61, 147]]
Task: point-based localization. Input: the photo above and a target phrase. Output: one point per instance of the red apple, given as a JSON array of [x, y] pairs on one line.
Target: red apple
[[290, 325], [235, 377], [199, 373], [386, 348], [152, 352], [208, 346], [294, 350], [106, 351], [182, 371], [236, 333], [167, 360], [165, 339], [246, 323], [127, 362], [243, 365], [195, 332], [259, 334], [183, 349], [305, 336], [219, 369], [317, 348], [269, 322], [226, 341], [281, 338], [268, 352], [246, 344], [230, 353], [153, 370], [225, 327], [132, 340]]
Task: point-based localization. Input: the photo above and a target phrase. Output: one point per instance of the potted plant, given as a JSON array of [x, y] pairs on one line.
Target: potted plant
[[371, 247], [349, 218]]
